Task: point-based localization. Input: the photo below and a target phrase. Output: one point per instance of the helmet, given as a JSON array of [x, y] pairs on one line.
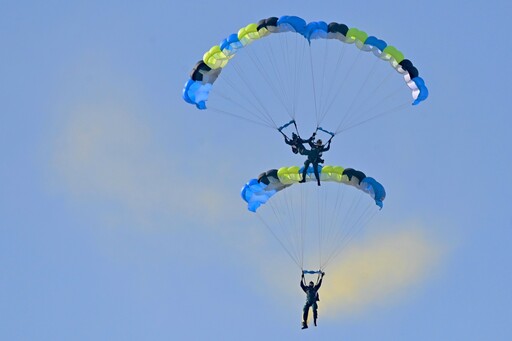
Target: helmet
[[311, 284], [294, 136], [319, 142]]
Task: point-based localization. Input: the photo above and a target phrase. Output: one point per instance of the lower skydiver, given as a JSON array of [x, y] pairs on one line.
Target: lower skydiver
[[312, 297]]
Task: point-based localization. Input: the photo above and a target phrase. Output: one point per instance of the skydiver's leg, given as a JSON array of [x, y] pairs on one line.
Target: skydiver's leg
[[302, 149], [315, 169], [305, 315], [315, 312], [305, 170]]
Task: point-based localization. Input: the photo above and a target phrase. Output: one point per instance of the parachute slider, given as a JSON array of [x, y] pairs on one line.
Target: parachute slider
[[280, 129], [285, 125], [326, 131], [312, 272]]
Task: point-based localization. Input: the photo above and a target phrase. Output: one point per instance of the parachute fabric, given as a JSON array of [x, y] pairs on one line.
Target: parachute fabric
[[284, 72], [311, 222]]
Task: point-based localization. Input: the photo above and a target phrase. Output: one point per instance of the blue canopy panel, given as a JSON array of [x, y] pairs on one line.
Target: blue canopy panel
[[255, 195]]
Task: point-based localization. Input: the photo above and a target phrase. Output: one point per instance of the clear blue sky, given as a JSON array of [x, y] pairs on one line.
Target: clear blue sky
[[120, 215]]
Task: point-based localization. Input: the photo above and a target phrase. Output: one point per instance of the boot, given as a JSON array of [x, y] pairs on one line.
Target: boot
[[303, 180], [314, 321], [318, 182], [304, 325]]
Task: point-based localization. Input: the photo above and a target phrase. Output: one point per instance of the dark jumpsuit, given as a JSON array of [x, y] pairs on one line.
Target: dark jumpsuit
[[311, 299], [314, 157], [297, 143]]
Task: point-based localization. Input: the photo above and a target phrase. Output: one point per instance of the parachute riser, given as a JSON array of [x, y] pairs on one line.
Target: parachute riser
[[327, 132], [280, 129], [312, 272]]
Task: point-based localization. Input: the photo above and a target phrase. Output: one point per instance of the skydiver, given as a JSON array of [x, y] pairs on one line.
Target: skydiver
[[311, 298], [297, 142], [314, 157]]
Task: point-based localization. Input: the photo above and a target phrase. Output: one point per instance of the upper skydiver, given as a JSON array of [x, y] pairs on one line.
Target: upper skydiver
[[314, 157]]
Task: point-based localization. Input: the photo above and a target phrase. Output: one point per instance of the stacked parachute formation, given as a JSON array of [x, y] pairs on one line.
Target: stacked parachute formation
[[204, 74], [258, 191], [299, 77]]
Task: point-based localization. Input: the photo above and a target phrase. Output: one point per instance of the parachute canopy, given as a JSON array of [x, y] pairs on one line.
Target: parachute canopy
[[313, 223], [282, 64], [258, 191]]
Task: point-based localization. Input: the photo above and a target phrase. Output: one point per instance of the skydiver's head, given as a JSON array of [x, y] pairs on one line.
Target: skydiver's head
[[319, 142], [294, 136], [311, 284]]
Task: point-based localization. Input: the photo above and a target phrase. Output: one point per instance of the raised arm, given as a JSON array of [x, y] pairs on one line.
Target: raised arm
[[319, 284], [302, 285], [310, 140]]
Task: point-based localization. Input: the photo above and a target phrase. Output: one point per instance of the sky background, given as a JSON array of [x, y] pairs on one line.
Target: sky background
[[120, 214]]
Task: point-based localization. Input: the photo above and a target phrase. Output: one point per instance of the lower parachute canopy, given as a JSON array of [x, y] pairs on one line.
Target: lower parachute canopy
[[312, 222], [258, 191]]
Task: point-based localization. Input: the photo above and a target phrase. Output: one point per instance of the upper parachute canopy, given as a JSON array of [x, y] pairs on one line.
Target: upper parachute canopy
[[258, 191], [206, 71]]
